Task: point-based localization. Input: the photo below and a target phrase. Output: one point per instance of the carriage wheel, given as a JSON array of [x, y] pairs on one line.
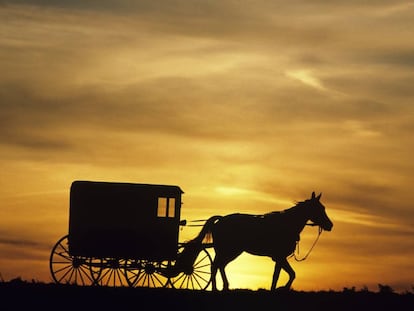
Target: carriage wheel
[[146, 273], [67, 269], [131, 271], [112, 273], [196, 277]]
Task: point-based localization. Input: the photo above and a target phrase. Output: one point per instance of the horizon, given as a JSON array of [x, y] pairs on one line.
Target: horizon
[[248, 107], [380, 289]]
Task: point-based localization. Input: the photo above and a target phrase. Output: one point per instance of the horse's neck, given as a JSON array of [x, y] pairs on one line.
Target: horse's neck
[[296, 217]]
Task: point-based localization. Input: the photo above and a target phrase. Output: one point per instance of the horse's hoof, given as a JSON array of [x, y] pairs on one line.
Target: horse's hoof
[[282, 289]]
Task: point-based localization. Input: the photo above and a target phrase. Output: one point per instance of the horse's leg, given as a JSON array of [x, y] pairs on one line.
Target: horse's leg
[[276, 274], [287, 267], [220, 262], [213, 275], [224, 278]]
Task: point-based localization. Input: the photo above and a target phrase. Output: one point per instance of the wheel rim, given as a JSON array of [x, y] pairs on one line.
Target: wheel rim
[[197, 277], [67, 269], [132, 268]]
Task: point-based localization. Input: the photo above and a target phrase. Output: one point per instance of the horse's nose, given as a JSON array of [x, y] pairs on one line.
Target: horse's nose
[[328, 226]]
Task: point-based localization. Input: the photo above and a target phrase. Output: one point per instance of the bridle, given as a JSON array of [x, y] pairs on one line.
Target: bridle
[[296, 252]]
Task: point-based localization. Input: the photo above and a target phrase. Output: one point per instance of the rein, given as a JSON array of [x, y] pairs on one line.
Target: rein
[[296, 256]]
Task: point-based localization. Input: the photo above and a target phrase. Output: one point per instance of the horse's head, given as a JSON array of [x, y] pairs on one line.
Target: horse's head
[[317, 213]]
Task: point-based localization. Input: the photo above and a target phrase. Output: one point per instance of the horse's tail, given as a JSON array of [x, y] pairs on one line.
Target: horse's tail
[[192, 248], [206, 230]]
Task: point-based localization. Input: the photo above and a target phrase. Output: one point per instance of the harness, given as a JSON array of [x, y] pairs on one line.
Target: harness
[[295, 254]]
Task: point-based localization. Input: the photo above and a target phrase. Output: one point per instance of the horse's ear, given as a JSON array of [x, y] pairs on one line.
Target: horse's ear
[[319, 196], [313, 195]]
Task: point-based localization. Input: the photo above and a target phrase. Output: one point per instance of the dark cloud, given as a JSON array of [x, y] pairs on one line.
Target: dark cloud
[[264, 24], [366, 235], [210, 5], [11, 238], [67, 124], [384, 85], [19, 242], [403, 58]]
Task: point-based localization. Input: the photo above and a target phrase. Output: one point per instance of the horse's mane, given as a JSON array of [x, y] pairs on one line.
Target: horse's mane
[[297, 205]]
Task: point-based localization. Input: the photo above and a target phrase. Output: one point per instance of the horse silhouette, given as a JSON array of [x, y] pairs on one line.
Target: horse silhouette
[[274, 235]]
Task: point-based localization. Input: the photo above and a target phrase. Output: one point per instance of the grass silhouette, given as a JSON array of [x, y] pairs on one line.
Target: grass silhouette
[[20, 295]]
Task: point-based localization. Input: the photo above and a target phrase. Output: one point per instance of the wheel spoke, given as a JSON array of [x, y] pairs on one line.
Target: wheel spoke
[[111, 273], [196, 275], [146, 277], [80, 275], [63, 250], [152, 280], [202, 266], [200, 260], [119, 277], [155, 278], [202, 271], [63, 268], [140, 276], [69, 270], [180, 276], [188, 281], [192, 283], [105, 274], [198, 283], [72, 276], [184, 279]]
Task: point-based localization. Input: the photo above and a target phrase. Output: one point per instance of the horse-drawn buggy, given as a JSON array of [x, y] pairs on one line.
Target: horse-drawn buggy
[[125, 234]]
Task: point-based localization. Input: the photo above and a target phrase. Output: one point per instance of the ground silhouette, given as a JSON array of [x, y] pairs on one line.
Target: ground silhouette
[[20, 295]]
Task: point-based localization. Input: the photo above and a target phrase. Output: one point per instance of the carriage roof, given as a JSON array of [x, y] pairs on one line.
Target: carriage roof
[[153, 188]]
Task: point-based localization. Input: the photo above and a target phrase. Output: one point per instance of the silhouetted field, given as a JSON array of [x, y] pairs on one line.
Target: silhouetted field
[[40, 296]]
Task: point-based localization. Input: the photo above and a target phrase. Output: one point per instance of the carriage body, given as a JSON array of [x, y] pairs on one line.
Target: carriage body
[[126, 234], [124, 220]]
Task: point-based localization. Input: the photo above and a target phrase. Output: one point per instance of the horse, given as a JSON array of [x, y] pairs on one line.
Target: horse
[[274, 234]]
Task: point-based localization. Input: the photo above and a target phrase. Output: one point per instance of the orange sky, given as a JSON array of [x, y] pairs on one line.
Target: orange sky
[[248, 106]]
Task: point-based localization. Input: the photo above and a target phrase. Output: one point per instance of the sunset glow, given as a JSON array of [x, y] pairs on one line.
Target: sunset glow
[[247, 106]]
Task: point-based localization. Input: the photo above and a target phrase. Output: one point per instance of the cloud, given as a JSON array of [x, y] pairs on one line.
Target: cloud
[[402, 57], [11, 240], [306, 77], [19, 242]]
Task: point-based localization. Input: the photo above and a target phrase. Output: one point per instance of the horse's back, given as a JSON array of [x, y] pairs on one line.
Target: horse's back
[[255, 234], [236, 225], [238, 221], [249, 224]]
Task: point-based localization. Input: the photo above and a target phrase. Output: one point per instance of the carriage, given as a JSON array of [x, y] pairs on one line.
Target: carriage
[[127, 234]]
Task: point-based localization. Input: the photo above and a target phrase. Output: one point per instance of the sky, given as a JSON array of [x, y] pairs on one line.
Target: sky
[[248, 106]]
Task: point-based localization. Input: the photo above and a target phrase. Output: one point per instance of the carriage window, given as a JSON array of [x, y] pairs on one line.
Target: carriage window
[[166, 207], [162, 207], [171, 207]]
